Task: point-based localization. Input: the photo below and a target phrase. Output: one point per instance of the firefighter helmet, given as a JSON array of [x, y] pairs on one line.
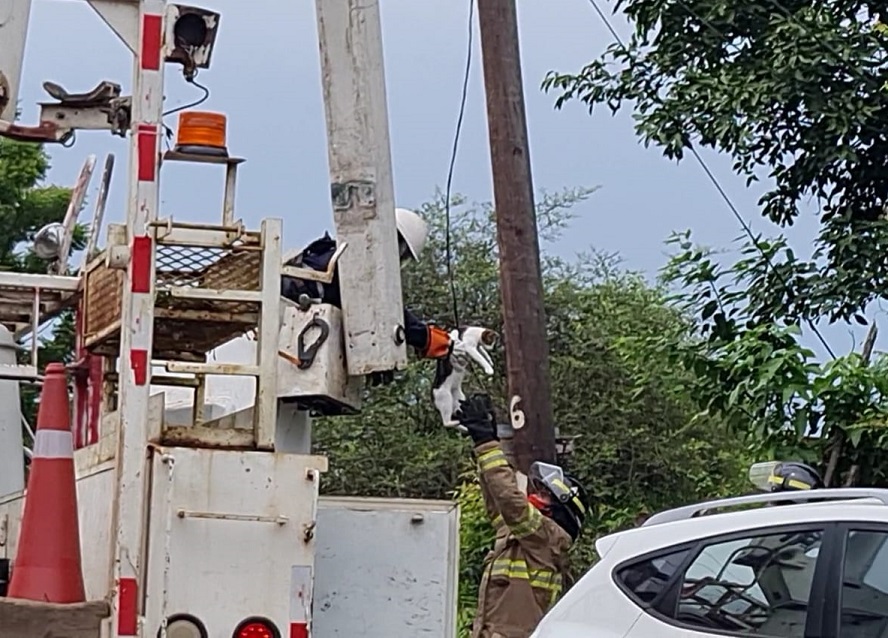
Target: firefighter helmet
[[413, 232], [569, 503], [785, 476]]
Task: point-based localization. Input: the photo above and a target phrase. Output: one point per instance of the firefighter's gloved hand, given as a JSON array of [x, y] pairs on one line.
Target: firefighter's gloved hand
[[476, 415]]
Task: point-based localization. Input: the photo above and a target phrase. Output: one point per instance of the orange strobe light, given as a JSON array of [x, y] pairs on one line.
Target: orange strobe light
[[202, 133]]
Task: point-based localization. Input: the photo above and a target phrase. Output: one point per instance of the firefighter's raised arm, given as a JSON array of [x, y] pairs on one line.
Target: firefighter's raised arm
[[499, 484]]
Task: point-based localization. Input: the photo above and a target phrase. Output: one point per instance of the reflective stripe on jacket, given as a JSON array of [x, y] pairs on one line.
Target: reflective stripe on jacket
[[523, 573]]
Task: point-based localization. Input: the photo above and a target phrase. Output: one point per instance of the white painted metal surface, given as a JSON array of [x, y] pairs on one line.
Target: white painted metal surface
[[12, 458], [95, 496], [227, 529], [361, 182], [10, 522], [386, 567], [325, 382], [14, 16]]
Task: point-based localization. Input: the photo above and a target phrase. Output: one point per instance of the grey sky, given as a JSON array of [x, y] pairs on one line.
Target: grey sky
[[265, 77]]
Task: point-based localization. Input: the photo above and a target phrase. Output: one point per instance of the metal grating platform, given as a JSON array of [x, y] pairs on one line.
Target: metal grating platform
[[184, 328]]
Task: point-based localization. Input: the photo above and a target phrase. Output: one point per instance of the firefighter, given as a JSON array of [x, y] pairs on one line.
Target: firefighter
[[524, 573], [428, 340]]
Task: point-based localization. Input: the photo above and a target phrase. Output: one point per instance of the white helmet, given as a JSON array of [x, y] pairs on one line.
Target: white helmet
[[412, 230]]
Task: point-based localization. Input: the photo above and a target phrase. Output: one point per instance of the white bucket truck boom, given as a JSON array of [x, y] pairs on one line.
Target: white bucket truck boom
[[199, 520]]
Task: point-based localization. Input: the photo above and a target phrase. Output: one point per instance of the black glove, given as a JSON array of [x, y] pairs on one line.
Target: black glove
[[476, 415]]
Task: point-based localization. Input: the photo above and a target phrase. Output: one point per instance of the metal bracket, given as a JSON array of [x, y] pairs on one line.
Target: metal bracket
[[278, 520], [45, 132], [102, 108], [360, 192], [117, 253]]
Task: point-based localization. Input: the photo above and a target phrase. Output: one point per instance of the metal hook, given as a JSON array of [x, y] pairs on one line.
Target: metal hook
[[307, 355]]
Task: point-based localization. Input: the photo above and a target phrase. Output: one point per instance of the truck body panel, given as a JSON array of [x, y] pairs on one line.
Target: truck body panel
[[386, 567], [242, 521]]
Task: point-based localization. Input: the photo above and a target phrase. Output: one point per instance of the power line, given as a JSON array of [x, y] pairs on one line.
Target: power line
[[712, 178], [456, 136]]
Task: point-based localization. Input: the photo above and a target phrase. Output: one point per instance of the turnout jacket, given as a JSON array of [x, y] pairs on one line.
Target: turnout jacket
[[523, 573]]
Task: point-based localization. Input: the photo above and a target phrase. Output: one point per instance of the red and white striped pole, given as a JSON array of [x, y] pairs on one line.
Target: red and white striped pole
[[138, 316]]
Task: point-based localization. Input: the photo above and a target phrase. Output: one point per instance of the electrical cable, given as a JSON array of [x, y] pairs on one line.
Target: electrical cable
[[168, 132], [456, 136], [712, 178], [197, 102]]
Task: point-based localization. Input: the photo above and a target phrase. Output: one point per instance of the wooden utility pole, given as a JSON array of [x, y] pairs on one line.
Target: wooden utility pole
[[527, 350]]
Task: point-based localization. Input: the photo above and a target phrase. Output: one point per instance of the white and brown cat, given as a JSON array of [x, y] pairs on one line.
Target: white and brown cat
[[469, 344]]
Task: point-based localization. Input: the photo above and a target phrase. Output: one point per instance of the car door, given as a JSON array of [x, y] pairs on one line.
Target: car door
[[857, 595], [767, 582]]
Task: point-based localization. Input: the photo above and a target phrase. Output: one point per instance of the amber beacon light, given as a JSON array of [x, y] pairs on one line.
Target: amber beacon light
[[202, 133]]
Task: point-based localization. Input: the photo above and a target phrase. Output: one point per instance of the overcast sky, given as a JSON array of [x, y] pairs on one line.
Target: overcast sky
[[265, 77]]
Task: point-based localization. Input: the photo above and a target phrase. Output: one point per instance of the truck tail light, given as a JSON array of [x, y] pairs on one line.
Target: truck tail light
[[256, 627], [184, 626]]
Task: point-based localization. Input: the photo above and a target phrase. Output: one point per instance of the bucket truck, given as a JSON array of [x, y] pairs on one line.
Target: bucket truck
[[198, 521]]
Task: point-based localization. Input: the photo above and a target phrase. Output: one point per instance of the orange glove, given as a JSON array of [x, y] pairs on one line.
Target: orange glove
[[438, 344]]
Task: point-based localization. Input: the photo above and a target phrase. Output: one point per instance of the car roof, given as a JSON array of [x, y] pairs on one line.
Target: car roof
[[674, 531]]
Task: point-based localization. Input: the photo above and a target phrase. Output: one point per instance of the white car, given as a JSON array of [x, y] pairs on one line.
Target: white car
[[811, 569]]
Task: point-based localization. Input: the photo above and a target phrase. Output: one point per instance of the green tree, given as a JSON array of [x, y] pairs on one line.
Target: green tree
[[26, 204], [796, 89], [751, 369], [640, 447]]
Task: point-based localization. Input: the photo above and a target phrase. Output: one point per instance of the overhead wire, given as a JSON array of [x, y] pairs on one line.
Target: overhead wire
[[456, 136], [715, 182]]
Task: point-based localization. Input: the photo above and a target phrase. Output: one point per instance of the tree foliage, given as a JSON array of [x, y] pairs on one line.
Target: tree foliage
[[750, 368], [794, 87], [639, 447]]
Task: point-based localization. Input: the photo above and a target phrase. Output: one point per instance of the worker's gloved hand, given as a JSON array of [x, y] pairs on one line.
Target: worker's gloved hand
[[439, 343], [476, 415]]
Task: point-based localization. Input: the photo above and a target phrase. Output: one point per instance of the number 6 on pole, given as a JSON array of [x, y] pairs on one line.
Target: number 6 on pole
[[516, 414]]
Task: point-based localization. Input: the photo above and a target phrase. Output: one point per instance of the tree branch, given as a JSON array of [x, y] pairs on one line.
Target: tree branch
[[837, 442]]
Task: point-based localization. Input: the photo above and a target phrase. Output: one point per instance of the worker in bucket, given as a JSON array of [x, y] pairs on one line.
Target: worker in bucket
[[523, 574], [428, 340]]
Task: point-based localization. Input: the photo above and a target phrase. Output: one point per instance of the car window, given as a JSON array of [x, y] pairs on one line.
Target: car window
[[865, 585], [647, 578], [751, 586]]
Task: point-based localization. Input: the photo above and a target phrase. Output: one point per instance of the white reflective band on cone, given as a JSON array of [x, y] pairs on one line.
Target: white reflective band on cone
[[54, 444]]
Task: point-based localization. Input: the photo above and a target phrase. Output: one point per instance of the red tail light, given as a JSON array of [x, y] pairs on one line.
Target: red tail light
[[257, 628]]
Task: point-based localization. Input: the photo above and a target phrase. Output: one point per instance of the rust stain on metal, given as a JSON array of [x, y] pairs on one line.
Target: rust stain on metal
[[43, 132]]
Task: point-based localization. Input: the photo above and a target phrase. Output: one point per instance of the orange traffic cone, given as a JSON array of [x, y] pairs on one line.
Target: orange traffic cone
[[47, 566]]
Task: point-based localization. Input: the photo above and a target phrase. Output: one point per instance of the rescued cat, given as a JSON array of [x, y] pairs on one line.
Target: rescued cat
[[468, 344]]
